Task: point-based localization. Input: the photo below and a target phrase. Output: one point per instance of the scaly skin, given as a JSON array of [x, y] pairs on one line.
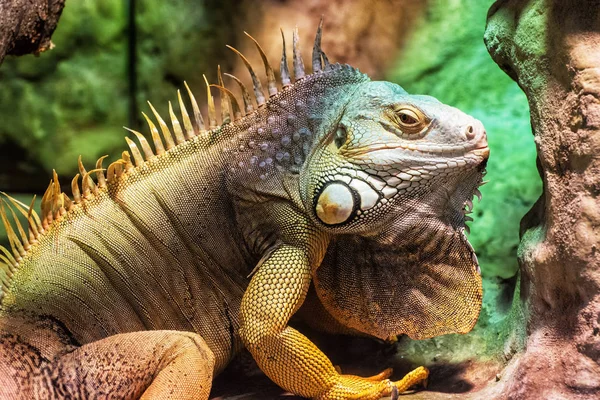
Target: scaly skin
[[151, 280]]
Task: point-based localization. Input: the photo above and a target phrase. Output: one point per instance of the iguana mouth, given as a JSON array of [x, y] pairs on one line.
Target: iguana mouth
[[423, 148]]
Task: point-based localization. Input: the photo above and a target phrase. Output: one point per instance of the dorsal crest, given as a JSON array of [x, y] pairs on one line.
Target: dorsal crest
[[166, 134]]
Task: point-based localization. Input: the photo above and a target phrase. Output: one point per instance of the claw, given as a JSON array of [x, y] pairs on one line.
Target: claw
[[478, 194], [394, 395]]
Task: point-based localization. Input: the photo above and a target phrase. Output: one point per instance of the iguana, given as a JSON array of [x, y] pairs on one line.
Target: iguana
[[338, 198]]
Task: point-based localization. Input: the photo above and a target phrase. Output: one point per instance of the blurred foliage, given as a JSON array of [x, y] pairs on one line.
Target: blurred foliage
[[74, 99], [445, 57], [68, 101]]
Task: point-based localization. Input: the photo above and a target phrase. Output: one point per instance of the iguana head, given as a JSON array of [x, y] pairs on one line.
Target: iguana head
[[388, 152], [392, 179]]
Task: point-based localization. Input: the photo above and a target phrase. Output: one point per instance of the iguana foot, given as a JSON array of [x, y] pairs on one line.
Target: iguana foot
[[352, 387]]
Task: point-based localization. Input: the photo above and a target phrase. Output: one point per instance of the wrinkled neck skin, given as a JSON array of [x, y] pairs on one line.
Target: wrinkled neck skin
[[416, 274], [439, 207]]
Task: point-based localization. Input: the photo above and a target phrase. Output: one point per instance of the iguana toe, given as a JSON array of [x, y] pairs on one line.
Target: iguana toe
[[414, 377]]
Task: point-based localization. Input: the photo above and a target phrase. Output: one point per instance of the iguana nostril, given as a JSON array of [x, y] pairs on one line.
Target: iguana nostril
[[470, 132]]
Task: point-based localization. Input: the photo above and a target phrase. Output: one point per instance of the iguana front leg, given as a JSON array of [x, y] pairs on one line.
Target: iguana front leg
[[287, 357]]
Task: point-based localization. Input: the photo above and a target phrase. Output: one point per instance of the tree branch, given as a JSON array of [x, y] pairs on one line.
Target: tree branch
[[27, 25]]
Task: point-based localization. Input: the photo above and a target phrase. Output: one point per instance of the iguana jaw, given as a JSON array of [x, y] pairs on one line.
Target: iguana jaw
[[437, 186]]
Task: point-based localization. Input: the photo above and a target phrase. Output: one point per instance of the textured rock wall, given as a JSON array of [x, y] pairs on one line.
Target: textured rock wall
[[551, 48]]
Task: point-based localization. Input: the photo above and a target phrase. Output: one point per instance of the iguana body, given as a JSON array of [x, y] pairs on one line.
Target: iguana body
[[150, 280]]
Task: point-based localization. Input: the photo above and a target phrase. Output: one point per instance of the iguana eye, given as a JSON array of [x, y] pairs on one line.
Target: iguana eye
[[410, 120], [408, 117], [341, 136]]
